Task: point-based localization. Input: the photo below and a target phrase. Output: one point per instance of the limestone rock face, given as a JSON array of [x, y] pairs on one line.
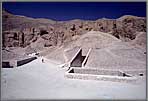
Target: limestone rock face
[[21, 31]]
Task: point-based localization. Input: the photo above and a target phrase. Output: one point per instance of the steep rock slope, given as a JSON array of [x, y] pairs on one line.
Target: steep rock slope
[[58, 32]]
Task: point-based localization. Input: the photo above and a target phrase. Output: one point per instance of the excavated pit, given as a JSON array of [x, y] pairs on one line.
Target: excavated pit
[[77, 70]]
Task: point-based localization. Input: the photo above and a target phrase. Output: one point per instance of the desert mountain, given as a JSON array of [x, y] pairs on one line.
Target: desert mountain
[[58, 32], [38, 34]]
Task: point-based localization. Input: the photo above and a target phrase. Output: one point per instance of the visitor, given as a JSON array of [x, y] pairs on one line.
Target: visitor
[[42, 60]]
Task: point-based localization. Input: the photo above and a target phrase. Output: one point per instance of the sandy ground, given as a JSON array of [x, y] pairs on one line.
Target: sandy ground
[[37, 80]]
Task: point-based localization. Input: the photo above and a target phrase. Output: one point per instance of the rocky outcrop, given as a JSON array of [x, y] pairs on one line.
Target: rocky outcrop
[[21, 31]]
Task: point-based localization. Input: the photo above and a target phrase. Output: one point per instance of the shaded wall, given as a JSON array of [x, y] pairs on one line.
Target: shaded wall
[[22, 62], [97, 72], [11, 64], [6, 65], [77, 60]]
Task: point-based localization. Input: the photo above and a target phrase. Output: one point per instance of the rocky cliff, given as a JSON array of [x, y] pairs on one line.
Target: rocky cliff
[[21, 31]]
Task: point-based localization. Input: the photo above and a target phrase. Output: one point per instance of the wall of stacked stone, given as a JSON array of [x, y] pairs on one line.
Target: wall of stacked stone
[[86, 58], [15, 63], [97, 72], [6, 64], [24, 61], [77, 60], [98, 77]]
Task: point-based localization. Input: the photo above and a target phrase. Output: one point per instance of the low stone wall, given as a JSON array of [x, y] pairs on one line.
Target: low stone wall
[[100, 77], [97, 72], [24, 61], [15, 63], [6, 65], [94, 74], [86, 58]]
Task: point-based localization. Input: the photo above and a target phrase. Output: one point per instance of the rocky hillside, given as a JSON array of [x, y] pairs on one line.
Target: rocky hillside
[[21, 31]]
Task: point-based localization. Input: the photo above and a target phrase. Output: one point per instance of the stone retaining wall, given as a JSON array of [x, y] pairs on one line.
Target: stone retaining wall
[[100, 77], [95, 74], [15, 63], [86, 58], [6, 65], [24, 61], [77, 60]]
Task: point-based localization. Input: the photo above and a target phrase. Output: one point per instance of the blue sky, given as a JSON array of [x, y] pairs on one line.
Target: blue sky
[[76, 10]]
